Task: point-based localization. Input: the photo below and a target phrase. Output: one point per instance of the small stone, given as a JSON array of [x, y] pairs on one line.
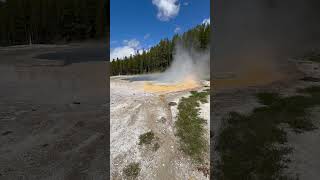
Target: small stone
[[76, 102], [79, 124], [163, 119], [156, 146], [45, 145], [172, 104], [6, 133]]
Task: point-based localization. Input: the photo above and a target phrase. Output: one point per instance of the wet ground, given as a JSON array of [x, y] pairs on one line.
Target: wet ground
[[53, 112]]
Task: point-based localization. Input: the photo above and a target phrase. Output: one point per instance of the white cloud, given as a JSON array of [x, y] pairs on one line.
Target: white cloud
[[167, 9], [130, 48], [206, 21], [146, 36], [121, 52], [177, 30], [140, 51], [132, 43], [186, 3]]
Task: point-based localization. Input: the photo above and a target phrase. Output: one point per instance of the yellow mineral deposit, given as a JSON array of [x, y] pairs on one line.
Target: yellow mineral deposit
[[188, 84], [251, 77]]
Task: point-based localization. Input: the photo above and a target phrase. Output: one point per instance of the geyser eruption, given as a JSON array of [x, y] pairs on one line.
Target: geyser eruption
[[189, 66], [188, 63]]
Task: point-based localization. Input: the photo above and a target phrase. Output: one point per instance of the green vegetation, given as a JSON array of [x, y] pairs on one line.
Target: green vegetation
[[132, 170], [313, 55], [200, 96], [160, 56], [253, 146], [150, 140], [49, 21], [189, 125], [146, 138]]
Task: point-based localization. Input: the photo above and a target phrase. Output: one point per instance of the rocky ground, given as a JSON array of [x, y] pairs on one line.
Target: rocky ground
[[135, 112], [53, 112]]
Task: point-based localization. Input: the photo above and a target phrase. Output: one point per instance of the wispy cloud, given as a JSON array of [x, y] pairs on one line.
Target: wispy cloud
[[185, 3], [167, 9], [206, 21], [130, 47], [146, 36], [132, 43], [113, 42], [177, 30]]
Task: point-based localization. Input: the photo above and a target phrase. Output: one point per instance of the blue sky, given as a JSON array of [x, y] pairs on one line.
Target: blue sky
[[140, 24]]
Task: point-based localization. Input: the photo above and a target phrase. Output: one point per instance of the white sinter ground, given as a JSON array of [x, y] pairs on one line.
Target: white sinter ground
[[134, 112]]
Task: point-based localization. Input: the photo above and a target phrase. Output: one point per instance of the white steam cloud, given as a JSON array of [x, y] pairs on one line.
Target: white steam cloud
[[187, 64]]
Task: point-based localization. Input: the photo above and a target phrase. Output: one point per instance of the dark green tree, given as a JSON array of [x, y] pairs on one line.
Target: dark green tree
[[160, 56], [51, 21]]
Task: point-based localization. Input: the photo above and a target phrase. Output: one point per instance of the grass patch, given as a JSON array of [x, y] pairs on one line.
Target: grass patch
[[132, 170], [190, 126], [146, 138], [267, 98], [310, 79], [199, 96], [313, 55], [253, 146]]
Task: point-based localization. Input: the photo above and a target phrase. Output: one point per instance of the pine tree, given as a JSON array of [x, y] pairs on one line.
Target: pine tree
[[50, 21], [160, 56]]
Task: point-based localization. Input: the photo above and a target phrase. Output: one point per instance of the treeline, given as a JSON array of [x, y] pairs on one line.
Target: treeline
[[50, 21], [159, 57]]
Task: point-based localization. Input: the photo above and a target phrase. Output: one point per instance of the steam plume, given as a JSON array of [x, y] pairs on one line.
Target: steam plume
[[188, 63]]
